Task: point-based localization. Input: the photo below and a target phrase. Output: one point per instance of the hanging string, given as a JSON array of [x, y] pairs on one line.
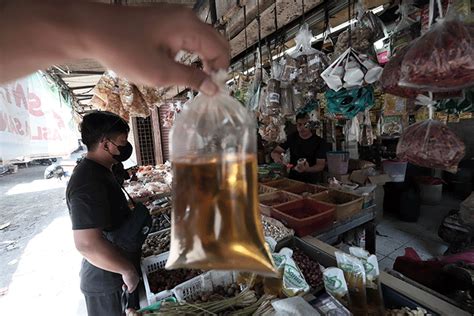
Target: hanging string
[[245, 34], [275, 20], [259, 33], [349, 18], [303, 9]]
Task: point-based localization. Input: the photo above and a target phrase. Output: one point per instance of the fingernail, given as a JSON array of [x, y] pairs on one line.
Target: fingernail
[[208, 87]]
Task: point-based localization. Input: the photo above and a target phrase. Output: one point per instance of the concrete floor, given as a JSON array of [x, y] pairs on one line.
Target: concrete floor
[[394, 235], [39, 264]]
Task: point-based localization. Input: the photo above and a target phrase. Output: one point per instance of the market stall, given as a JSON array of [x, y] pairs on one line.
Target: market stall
[[377, 98]]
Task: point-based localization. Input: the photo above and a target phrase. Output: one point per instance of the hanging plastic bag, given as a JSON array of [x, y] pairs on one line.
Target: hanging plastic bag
[[372, 273], [405, 31], [311, 62], [371, 21], [286, 99], [350, 102], [443, 58], [367, 134], [216, 220], [390, 79], [431, 144], [354, 273]]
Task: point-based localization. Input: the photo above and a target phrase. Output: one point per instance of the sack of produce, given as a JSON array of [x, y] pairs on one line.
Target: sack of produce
[[443, 58], [431, 144], [405, 31], [216, 221]]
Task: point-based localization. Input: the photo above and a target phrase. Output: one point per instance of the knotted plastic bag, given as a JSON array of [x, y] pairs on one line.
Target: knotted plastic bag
[[443, 58], [431, 144], [216, 220]]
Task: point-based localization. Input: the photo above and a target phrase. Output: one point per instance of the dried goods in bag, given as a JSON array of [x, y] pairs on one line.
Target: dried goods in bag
[[443, 58], [216, 220], [390, 79], [431, 144]]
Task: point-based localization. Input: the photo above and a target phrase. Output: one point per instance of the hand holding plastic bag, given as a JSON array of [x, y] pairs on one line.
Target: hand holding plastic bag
[[216, 220]]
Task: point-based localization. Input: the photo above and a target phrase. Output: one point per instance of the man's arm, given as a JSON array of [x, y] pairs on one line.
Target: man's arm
[[318, 167], [139, 43], [277, 154], [102, 254]]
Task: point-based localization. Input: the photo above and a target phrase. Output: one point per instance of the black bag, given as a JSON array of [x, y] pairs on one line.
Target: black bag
[[131, 235]]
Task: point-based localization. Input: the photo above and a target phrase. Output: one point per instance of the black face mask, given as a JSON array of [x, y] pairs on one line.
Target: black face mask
[[125, 152]]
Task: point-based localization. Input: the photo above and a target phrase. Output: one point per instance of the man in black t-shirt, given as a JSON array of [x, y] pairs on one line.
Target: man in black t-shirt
[[98, 207], [303, 144]]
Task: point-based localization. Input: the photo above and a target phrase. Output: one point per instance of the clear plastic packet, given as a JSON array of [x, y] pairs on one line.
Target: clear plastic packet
[[405, 31], [335, 284], [126, 93], [390, 80], [372, 21], [443, 58], [272, 105], [354, 273], [294, 282], [372, 273], [151, 96], [431, 144], [289, 68], [286, 99], [367, 134], [311, 62], [216, 219]]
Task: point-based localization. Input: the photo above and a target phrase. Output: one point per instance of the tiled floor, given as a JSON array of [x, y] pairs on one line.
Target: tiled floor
[[394, 235]]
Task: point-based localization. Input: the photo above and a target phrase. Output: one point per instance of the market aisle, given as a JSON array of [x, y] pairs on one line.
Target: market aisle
[[41, 266]]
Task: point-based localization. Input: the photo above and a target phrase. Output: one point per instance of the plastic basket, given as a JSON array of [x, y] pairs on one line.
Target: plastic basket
[[305, 189], [150, 265], [338, 162], [267, 201], [192, 289], [346, 204], [305, 216], [282, 184], [395, 169], [264, 189]]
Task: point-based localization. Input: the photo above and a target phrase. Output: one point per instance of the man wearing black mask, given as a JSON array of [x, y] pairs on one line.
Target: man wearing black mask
[[98, 208]]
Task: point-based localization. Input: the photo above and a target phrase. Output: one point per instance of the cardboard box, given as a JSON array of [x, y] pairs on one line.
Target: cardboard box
[[361, 177]]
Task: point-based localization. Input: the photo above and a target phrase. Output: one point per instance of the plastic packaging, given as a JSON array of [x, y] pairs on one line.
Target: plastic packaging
[[431, 144], [215, 220], [311, 62], [354, 273], [294, 282], [335, 284], [405, 31], [390, 79], [443, 58], [372, 283], [350, 102]]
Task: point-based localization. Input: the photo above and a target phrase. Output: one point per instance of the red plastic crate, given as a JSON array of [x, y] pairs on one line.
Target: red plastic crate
[[305, 216]]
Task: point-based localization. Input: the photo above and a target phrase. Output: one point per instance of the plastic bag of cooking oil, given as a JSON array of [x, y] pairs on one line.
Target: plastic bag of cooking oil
[[216, 220], [375, 303], [354, 273]]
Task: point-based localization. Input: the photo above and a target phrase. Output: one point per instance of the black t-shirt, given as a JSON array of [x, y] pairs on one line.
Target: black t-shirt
[[96, 200], [312, 148]]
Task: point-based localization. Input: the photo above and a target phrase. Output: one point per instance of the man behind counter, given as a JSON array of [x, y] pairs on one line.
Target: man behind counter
[[303, 144]]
